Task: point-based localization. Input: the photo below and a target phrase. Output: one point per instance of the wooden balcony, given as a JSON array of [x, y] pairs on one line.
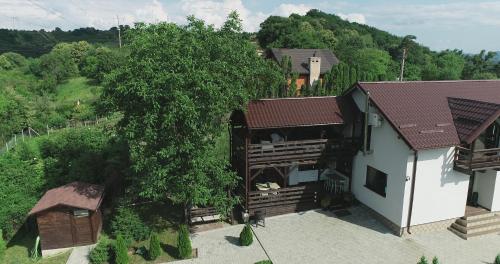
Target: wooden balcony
[[300, 152], [285, 200], [468, 161]]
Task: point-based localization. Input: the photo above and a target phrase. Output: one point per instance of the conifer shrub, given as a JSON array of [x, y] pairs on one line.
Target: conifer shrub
[[423, 260], [497, 259], [99, 254], [435, 260], [3, 246], [121, 250], [184, 243], [246, 236], [154, 246]]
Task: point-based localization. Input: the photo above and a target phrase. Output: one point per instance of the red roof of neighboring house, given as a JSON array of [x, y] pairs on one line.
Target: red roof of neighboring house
[[75, 194], [297, 111], [420, 112]]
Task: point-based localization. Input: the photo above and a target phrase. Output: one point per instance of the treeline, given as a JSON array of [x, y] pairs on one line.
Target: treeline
[[32, 88], [374, 51], [34, 43]]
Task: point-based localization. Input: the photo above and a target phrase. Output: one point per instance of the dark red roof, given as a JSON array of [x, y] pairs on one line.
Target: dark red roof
[[419, 111], [297, 111], [472, 117], [76, 194]]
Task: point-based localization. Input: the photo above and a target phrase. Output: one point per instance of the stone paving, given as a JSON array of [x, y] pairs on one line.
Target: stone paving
[[321, 237], [80, 255], [221, 246]]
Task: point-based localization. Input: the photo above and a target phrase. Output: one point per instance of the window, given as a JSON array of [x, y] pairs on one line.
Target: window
[[307, 167], [376, 180], [81, 213]]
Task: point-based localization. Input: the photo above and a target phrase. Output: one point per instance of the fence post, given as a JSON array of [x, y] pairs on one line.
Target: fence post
[[29, 131], [7, 146], [22, 134], [15, 139], [48, 131]]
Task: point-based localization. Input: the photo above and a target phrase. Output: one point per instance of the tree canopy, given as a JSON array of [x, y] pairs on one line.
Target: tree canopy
[[175, 90]]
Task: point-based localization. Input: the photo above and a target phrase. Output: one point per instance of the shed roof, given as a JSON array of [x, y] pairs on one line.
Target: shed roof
[[300, 58], [297, 111], [76, 194], [421, 113]]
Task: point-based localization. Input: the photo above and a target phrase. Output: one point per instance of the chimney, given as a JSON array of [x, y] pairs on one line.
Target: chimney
[[314, 69]]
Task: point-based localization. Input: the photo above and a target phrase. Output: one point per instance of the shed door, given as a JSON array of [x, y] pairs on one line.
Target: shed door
[[82, 229], [54, 228]]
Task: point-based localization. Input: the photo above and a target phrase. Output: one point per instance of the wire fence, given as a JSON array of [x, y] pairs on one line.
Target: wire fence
[[29, 132]]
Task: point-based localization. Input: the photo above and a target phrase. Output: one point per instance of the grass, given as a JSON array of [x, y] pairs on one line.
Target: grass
[[19, 248], [79, 88], [163, 218]]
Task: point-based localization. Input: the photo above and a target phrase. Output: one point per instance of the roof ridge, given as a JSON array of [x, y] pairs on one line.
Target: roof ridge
[[437, 81], [295, 98]]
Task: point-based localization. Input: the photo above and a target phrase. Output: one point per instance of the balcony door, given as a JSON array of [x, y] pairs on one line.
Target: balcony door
[[492, 136]]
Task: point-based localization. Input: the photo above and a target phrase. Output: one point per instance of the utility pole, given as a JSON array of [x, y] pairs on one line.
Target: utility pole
[[119, 33], [402, 65]]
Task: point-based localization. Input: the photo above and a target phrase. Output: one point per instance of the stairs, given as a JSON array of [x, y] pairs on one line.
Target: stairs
[[476, 224]]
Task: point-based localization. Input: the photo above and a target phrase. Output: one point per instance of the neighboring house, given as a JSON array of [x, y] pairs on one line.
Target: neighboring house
[[310, 64], [419, 157]]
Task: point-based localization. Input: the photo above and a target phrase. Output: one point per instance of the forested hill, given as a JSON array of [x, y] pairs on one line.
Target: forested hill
[[33, 43], [373, 51]]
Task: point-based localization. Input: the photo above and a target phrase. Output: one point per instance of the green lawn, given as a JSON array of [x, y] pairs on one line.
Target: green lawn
[[19, 249], [79, 88]]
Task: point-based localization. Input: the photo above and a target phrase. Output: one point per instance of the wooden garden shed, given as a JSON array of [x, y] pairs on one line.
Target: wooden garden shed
[[69, 216]]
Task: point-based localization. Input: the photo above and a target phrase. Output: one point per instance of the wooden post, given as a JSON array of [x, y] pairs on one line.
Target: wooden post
[[29, 131], [22, 134], [247, 184], [15, 139]]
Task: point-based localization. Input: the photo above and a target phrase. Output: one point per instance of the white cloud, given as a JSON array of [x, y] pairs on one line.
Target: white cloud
[[353, 17], [288, 9]]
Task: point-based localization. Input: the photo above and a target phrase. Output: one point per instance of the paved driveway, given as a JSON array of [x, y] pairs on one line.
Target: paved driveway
[[318, 237]]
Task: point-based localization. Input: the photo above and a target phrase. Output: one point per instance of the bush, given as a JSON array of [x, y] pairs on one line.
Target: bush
[[497, 259], [2, 246], [121, 250], [435, 260], [154, 247], [264, 262], [422, 260], [99, 254], [246, 236], [128, 223], [184, 243]]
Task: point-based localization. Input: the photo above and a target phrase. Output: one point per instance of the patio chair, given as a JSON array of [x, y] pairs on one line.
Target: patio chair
[[260, 217]]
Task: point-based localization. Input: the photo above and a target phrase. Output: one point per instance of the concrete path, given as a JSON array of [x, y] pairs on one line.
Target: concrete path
[[319, 237], [79, 255]]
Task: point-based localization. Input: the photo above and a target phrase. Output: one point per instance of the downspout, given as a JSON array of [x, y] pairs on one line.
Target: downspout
[[365, 125], [412, 192]]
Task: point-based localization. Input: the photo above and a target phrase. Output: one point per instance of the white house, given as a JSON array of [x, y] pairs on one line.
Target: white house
[[431, 151]]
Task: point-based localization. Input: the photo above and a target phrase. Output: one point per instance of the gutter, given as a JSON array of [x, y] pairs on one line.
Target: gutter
[[412, 193]]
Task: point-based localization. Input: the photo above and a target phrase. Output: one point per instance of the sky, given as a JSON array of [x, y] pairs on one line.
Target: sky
[[467, 25]]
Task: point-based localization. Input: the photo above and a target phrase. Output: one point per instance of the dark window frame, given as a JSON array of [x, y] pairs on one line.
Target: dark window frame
[[376, 181]]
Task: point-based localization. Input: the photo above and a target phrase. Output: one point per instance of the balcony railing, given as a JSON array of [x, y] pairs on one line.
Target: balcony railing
[[467, 160], [296, 152]]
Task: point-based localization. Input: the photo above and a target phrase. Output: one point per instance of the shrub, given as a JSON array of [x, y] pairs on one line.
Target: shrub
[[99, 254], [128, 223], [121, 250], [2, 246], [422, 260], [154, 247], [267, 261], [497, 259], [184, 243], [246, 236], [435, 260]]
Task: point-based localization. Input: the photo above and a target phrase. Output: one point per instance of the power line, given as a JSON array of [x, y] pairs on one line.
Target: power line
[[119, 32], [52, 11]]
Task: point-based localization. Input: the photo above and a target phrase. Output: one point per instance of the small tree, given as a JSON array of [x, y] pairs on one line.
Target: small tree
[[435, 260], [184, 243], [246, 236], [121, 251], [497, 259], [99, 254], [422, 260], [154, 246], [3, 246]]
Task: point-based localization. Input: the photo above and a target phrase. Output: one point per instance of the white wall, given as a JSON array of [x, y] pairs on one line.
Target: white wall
[[487, 184], [440, 191], [295, 176], [390, 155]]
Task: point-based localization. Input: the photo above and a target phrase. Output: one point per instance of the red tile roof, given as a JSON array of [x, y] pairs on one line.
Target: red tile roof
[[472, 117], [75, 194], [293, 112], [419, 111]]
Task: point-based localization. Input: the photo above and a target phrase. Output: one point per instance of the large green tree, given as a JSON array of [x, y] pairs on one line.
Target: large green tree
[[373, 61], [175, 91]]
